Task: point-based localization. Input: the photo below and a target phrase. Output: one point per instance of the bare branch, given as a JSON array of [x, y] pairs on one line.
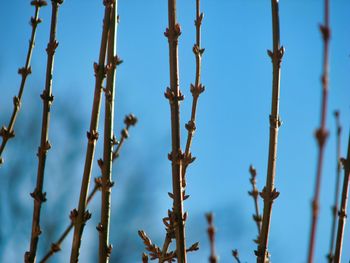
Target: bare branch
[[38, 195], [321, 133], [8, 133], [343, 207], [269, 193]]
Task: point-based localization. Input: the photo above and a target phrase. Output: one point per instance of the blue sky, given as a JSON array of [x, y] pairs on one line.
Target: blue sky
[[232, 126]]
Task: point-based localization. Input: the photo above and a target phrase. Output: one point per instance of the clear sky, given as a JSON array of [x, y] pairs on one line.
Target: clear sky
[[232, 126]]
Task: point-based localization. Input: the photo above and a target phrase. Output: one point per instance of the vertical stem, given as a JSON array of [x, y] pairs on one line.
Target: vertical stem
[[104, 247], [38, 195], [8, 132], [255, 195], [211, 233], [196, 90], [174, 96], [269, 192], [55, 247], [330, 256], [130, 120], [321, 132], [343, 207], [81, 215]]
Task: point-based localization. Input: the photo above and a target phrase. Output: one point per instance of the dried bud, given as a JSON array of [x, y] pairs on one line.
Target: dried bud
[[130, 120]]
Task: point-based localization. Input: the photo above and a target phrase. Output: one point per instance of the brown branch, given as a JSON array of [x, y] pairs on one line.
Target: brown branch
[[211, 234], [343, 207], [196, 90], [105, 248], [330, 255], [55, 247], [130, 120], [269, 192], [255, 195], [321, 133], [174, 95], [38, 195], [82, 215], [8, 133], [154, 250]]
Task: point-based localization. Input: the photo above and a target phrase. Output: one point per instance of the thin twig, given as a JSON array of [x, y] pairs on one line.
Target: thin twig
[[321, 133], [255, 195], [343, 207], [105, 248], [236, 255], [8, 132], [55, 247], [81, 215], [269, 193], [176, 156], [144, 258], [130, 120], [330, 255], [196, 90], [38, 195], [211, 233]]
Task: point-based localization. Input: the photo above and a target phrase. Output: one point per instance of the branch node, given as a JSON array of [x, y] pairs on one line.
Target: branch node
[[321, 136], [47, 97], [25, 71], [51, 47], [92, 136], [197, 90], [6, 134], [275, 121], [38, 196], [326, 32]]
